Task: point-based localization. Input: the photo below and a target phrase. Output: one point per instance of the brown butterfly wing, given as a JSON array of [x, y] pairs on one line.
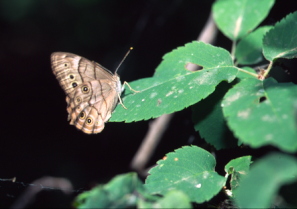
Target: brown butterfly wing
[[92, 91], [72, 70]]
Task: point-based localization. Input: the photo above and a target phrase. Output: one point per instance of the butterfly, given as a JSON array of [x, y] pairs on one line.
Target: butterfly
[[92, 91]]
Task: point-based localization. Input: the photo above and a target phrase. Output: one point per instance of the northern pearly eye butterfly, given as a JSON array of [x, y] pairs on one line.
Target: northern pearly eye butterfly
[[92, 91]]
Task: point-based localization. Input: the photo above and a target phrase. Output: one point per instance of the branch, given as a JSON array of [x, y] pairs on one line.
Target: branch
[[38, 185], [159, 125]]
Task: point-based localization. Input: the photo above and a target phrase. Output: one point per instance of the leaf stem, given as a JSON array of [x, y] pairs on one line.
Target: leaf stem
[[247, 72], [268, 69], [233, 49]]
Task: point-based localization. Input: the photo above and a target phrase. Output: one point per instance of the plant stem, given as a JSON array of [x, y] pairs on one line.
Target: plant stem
[[233, 49], [268, 69], [247, 72]]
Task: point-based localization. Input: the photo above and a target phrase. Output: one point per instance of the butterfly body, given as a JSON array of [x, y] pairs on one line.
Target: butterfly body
[[92, 91]]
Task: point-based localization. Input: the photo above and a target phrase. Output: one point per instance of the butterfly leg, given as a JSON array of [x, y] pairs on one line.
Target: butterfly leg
[[126, 83], [121, 102], [119, 96]]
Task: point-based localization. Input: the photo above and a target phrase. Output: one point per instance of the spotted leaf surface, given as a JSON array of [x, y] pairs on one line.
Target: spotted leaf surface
[[173, 87], [189, 169], [263, 113]]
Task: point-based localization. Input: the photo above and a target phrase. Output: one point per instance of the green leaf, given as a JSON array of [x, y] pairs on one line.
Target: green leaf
[[266, 176], [262, 113], [121, 192], [280, 42], [238, 167], [172, 199], [189, 169], [241, 164], [173, 87], [249, 49], [237, 18], [207, 116]]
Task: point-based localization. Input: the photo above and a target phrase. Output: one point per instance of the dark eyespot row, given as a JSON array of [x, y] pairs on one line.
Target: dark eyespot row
[[82, 115], [78, 99], [85, 89], [66, 65], [71, 77], [74, 84], [89, 121]]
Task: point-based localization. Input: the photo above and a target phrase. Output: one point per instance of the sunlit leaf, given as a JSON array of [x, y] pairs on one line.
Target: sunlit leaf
[[189, 169], [237, 18], [173, 87], [263, 113]]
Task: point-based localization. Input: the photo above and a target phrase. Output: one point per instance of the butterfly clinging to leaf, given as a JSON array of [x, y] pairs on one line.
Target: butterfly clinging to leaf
[[92, 91]]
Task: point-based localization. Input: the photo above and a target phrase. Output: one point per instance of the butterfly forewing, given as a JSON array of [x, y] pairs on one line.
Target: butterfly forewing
[[91, 90]]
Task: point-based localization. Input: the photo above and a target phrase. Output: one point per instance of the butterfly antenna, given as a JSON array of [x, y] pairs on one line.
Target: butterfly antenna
[[123, 59]]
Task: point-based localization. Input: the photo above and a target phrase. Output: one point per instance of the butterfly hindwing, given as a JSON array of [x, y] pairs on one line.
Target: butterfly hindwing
[[91, 90]]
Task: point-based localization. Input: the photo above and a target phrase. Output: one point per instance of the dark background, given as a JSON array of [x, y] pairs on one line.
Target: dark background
[[36, 139]]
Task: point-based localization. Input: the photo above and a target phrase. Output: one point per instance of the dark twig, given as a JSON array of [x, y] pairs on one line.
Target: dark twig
[[159, 125]]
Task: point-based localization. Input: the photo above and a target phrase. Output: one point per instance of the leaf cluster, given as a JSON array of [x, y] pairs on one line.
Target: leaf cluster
[[228, 98]]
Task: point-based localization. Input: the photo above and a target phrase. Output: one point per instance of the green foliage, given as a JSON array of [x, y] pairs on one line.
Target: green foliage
[[280, 41], [249, 49], [172, 199], [209, 120], [237, 18], [121, 191], [258, 188], [248, 109], [189, 169], [237, 168], [173, 87], [127, 190], [262, 113]]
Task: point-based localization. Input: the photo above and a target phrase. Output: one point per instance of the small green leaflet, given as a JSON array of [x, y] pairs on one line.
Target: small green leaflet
[[189, 169], [249, 49], [237, 18], [264, 179], [281, 41], [238, 168]]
